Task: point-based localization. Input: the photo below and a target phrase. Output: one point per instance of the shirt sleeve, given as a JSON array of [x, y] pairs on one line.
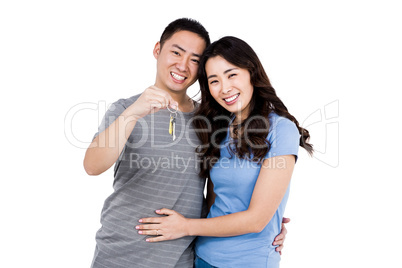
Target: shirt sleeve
[[284, 137], [114, 111]]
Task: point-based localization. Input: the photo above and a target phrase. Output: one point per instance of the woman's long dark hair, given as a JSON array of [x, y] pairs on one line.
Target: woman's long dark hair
[[210, 119]]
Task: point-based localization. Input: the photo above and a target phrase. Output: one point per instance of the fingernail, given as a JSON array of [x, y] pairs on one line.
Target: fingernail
[[140, 220], [147, 240], [137, 227], [157, 211], [140, 232]]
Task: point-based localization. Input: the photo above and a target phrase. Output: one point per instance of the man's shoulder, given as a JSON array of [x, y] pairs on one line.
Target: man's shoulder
[[126, 102]]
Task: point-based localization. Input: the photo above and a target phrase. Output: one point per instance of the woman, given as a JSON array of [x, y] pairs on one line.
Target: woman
[[250, 146]]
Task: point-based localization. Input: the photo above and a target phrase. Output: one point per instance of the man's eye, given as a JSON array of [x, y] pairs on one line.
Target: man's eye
[[176, 53], [196, 61]]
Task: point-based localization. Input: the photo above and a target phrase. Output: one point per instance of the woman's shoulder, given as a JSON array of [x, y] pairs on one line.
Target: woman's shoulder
[[277, 121], [283, 136]]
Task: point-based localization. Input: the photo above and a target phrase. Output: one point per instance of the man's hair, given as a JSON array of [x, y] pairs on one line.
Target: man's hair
[[184, 24]]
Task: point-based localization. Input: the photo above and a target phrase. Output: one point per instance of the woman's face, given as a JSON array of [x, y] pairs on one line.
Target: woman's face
[[230, 86]]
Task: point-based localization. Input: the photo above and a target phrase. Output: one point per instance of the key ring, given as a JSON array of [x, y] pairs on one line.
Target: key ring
[[173, 112]]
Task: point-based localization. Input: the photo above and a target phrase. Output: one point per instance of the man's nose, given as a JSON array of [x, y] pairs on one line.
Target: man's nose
[[181, 64]]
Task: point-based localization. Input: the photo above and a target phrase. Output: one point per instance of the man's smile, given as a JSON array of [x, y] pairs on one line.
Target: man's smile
[[177, 76]]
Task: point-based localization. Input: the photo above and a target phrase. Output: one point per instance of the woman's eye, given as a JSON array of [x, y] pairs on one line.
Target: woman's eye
[[231, 75], [196, 61], [213, 82]]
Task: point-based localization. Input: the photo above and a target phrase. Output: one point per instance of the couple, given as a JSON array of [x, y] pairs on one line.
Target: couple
[[248, 143]]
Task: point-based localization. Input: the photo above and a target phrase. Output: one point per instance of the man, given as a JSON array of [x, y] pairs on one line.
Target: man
[[152, 141]]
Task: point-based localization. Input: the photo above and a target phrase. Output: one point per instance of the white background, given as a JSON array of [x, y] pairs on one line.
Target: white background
[[340, 60]]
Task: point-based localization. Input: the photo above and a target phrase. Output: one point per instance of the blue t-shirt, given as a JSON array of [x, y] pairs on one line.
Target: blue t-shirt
[[234, 180]]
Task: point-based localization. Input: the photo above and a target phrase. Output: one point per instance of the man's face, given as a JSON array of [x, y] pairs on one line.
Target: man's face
[[177, 61]]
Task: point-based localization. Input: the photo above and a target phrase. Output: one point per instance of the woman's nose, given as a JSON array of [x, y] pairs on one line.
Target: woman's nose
[[226, 88]]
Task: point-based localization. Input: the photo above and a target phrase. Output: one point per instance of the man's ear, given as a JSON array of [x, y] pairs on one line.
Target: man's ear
[[157, 50]]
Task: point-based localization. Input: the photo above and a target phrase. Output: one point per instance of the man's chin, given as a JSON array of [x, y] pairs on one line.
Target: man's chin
[[179, 87]]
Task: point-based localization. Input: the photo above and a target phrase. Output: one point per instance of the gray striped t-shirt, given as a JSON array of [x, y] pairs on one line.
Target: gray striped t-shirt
[[152, 172]]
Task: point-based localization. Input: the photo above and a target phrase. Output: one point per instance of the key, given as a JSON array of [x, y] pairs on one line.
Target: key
[[171, 125], [172, 122], [174, 128]]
